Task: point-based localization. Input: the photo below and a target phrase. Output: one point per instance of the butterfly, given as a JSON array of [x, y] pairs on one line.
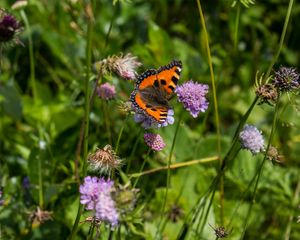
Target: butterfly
[[153, 90]]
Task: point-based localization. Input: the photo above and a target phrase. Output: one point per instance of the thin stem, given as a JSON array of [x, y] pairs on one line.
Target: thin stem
[[175, 165], [236, 26], [120, 135], [286, 22], [107, 121], [261, 169], [291, 217], [217, 121], [89, 14], [31, 57], [169, 172], [142, 167]]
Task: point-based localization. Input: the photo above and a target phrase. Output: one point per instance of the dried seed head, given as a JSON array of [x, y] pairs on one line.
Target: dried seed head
[[175, 213], [39, 216], [92, 220], [220, 232], [126, 198], [267, 93], [124, 66], [273, 155], [104, 160]]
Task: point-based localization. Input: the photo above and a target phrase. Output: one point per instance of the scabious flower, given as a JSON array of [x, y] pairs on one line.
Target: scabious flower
[[9, 27], [106, 91], [251, 138], [96, 195], [154, 141], [104, 160], [148, 122], [193, 97], [124, 66], [287, 79]]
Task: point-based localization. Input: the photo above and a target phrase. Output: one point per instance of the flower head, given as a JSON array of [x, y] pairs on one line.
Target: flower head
[[104, 160], [124, 66], [148, 122], [9, 26], [40, 216], [252, 139], [154, 141], [267, 93], [96, 195], [287, 79], [193, 97], [106, 91]]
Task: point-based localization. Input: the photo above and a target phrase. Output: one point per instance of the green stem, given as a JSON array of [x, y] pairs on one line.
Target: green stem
[[287, 18], [86, 109], [169, 174], [107, 121], [217, 120], [236, 26], [291, 217], [120, 135], [142, 167], [31, 57], [261, 169]]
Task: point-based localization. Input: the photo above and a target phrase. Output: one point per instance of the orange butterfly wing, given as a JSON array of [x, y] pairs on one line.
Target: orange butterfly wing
[[164, 79]]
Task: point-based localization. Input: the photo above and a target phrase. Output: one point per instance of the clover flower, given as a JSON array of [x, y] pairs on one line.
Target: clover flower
[[106, 91], [154, 141], [9, 27], [287, 79], [124, 66], [104, 160], [251, 139], [96, 195], [193, 97]]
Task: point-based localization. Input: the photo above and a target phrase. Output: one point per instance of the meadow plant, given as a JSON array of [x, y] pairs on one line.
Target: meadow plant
[[162, 188]]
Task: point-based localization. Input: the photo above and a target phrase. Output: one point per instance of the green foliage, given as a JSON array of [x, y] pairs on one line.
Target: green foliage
[[39, 135]]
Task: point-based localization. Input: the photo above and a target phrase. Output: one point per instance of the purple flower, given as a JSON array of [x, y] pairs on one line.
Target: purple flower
[[96, 195], [154, 141], [149, 122], [252, 139], [9, 26], [192, 96], [106, 91], [287, 79]]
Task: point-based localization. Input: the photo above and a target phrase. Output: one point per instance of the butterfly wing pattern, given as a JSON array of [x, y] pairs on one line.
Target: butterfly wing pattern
[[153, 90]]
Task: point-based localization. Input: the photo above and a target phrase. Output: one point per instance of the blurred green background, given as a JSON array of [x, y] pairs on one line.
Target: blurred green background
[[44, 131]]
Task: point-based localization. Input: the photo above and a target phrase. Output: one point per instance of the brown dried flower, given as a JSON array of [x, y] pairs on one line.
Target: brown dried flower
[[267, 93], [124, 66], [104, 160], [39, 216]]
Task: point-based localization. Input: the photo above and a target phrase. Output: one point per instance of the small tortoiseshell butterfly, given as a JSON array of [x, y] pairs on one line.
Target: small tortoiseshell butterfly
[[153, 90]]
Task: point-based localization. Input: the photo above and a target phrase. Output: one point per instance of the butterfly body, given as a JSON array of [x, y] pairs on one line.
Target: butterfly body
[[153, 90]]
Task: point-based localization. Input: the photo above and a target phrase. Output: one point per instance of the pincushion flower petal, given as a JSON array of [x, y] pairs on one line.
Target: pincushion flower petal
[[251, 139], [96, 195], [287, 79], [154, 141], [106, 91], [193, 97]]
